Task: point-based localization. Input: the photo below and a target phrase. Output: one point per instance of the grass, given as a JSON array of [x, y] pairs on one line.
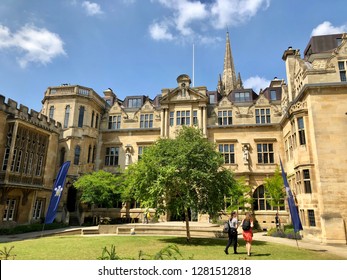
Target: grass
[[128, 247]]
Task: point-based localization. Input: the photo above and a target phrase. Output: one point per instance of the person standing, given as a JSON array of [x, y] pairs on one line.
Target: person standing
[[232, 233], [146, 216], [278, 222], [247, 227]]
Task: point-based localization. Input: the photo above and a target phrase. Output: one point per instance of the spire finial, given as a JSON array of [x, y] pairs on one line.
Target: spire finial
[[229, 75]]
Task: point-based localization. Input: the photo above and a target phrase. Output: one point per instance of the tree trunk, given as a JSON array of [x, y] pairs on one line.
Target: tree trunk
[[187, 224]]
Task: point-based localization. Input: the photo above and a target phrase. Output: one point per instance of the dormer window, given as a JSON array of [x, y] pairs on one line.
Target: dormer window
[[273, 95], [212, 99], [134, 103], [242, 96]]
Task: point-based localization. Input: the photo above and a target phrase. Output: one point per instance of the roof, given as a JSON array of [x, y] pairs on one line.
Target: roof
[[323, 43]]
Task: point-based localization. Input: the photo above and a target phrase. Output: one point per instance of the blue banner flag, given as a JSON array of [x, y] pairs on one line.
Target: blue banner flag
[[292, 208], [57, 193]]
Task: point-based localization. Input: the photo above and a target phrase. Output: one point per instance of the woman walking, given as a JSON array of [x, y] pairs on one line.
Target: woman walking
[[247, 225], [232, 233]]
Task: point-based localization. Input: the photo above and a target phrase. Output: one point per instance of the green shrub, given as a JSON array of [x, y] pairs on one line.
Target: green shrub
[[287, 232], [30, 228]]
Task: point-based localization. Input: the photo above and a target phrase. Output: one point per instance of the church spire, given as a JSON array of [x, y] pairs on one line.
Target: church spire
[[229, 75]]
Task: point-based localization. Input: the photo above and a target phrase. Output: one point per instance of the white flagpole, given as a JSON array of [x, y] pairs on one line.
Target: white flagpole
[[193, 65]]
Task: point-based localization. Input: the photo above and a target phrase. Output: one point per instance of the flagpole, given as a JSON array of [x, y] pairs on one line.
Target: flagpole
[[43, 228], [292, 208], [297, 243], [193, 63]]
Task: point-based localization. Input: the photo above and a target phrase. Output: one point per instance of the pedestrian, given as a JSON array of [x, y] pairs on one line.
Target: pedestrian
[[247, 227], [278, 222], [146, 216], [232, 233]]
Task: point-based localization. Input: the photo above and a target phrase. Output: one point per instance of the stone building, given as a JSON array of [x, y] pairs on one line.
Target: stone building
[[302, 121], [28, 149]]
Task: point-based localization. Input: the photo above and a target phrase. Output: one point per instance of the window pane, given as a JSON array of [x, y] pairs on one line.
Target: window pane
[[341, 65]]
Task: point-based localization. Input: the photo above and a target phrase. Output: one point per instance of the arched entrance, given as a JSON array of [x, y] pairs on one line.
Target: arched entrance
[[71, 199]]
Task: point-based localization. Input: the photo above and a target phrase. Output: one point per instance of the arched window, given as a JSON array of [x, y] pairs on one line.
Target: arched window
[[92, 121], [62, 156], [77, 155], [97, 121], [81, 116], [51, 112], [67, 115], [93, 156], [89, 152], [261, 202]]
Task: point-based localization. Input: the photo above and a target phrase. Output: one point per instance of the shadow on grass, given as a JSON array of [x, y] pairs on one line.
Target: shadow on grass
[[320, 251], [196, 241]]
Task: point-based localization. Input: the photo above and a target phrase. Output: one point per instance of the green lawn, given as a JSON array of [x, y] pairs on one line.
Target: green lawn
[[128, 247]]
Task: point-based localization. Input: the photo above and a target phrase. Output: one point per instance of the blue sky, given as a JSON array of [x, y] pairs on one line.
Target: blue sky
[[141, 46]]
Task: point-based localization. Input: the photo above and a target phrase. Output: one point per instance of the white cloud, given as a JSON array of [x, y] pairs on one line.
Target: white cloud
[[188, 12], [256, 83], [5, 37], [217, 13], [159, 31], [37, 44], [234, 12], [92, 9], [185, 12], [326, 28]]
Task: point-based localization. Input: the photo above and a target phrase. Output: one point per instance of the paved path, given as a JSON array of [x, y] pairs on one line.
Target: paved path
[[340, 250]]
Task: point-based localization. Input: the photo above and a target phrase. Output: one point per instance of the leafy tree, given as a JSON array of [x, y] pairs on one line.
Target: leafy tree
[[240, 196], [274, 189], [99, 188], [181, 174]]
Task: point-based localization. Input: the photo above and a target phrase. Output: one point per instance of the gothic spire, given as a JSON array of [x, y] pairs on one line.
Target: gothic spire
[[229, 76]]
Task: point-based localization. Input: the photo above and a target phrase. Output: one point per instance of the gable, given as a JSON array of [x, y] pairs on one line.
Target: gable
[[341, 50], [262, 101], [115, 109], [182, 95], [224, 103]]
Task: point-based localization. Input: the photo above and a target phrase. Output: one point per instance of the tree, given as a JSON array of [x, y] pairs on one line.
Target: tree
[[240, 196], [274, 190], [181, 174], [99, 188]]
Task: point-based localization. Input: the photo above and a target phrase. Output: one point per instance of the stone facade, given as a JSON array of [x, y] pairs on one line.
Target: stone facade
[[28, 149], [303, 122]]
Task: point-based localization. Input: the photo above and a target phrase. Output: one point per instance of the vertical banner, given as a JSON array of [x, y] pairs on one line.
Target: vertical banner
[[292, 208], [57, 193]]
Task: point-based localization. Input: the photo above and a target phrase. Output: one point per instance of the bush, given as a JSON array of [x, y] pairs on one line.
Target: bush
[[288, 232], [30, 228]]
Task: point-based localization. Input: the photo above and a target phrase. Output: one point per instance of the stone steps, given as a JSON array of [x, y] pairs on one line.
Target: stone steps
[[155, 229]]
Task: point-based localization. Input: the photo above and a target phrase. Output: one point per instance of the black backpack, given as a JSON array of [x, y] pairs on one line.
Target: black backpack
[[226, 226], [246, 225]]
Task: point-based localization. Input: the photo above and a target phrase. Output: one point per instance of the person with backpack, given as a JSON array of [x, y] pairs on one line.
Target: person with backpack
[[247, 225], [278, 222], [232, 233]]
